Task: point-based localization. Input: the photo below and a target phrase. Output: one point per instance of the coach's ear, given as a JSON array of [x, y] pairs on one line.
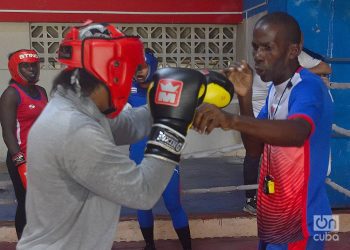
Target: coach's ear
[[294, 50]]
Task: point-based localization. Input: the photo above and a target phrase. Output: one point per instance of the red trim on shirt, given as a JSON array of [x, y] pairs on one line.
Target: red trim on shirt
[[305, 117], [299, 69], [306, 172], [304, 225], [299, 245]]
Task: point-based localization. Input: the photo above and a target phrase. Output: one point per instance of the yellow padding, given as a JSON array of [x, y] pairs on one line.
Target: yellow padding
[[201, 91], [217, 95]]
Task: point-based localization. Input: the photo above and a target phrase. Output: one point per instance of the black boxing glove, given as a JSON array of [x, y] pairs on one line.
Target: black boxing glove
[[173, 98]]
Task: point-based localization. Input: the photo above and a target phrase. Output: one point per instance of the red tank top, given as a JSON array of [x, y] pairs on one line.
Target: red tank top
[[28, 110]]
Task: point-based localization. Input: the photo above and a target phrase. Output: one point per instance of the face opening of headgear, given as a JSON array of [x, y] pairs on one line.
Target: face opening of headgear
[[18, 57], [151, 62], [107, 54]]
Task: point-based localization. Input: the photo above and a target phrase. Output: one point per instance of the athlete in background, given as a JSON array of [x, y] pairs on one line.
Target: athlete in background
[[171, 194], [21, 104]]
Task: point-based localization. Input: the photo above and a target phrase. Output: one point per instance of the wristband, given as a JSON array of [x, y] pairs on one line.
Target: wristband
[[165, 143], [167, 138], [18, 159]]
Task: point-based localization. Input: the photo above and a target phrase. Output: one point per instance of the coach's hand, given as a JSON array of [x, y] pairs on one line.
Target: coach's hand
[[208, 117], [241, 75]]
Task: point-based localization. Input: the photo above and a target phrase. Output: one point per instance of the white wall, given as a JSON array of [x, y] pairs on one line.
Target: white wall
[[14, 36]]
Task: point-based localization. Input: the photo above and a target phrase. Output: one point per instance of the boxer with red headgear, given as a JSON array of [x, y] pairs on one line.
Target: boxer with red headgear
[[106, 54], [24, 66], [21, 104], [78, 178]]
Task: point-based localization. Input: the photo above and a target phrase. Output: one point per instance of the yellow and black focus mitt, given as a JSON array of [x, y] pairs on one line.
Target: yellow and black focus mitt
[[220, 90]]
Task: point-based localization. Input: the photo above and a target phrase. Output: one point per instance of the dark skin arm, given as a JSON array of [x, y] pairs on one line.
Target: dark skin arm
[[289, 133], [255, 132], [8, 115]]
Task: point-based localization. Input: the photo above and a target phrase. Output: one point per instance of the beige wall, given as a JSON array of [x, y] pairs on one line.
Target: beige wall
[[14, 36], [244, 38]]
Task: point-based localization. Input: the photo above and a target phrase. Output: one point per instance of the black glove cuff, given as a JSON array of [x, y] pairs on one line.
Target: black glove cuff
[[165, 142]]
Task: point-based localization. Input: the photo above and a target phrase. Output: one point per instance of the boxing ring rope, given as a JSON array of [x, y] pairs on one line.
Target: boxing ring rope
[[220, 189], [337, 187], [333, 85], [332, 184], [340, 130]]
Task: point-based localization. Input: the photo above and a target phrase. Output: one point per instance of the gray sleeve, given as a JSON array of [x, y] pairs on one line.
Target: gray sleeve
[[93, 160], [131, 125]]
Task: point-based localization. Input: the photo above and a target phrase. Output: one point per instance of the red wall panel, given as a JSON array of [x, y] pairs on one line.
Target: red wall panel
[[123, 11]]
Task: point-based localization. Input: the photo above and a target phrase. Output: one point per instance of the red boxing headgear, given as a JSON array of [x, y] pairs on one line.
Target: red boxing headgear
[[106, 53], [21, 56]]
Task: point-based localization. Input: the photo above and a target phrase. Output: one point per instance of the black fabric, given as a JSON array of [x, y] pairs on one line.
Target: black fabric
[[184, 235], [250, 173], [147, 233], [20, 192]]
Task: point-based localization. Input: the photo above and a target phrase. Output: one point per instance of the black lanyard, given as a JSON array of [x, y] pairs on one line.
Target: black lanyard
[[288, 86]]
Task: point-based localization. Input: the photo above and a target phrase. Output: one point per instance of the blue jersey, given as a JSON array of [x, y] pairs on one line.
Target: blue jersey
[[299, 172], [138, 97]]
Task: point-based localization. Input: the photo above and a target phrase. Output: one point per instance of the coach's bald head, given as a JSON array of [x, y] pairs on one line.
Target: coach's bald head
[[287, 25], [276, 46]]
